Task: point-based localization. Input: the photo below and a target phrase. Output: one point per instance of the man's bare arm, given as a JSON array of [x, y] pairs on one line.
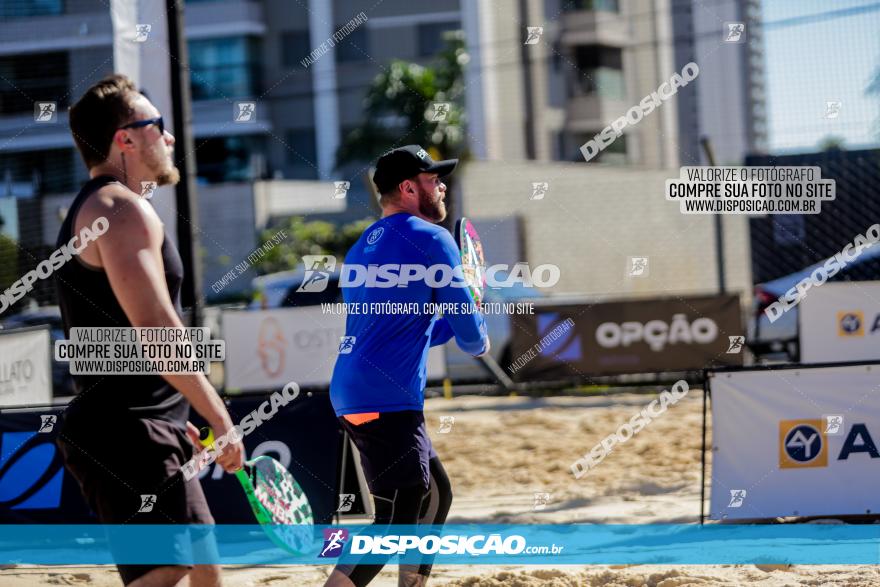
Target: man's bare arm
[[131, 254]]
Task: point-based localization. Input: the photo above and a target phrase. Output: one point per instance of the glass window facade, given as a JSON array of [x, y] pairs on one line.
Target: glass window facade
[[302, 156], [238, 158], [43, 77], [599, 71], [32, 173], [354, 47], [604, 5], [26, 8], [431, 37], [224, 68], [295, 46]]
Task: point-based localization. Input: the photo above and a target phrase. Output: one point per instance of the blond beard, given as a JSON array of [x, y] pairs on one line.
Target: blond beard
[[431, 209], [164, 171], [168, 176]]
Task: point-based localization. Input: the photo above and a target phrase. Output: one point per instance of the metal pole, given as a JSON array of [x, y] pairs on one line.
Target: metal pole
[[706, 387], [719, 227], [528, 98], [337, 515], [187, 206]]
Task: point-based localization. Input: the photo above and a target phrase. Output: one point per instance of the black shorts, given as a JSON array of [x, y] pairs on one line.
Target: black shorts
[[116, 461], [395, 449]]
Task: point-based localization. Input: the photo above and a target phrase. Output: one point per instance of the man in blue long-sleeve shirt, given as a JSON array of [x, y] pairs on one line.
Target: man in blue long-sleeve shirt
[[378, 382]]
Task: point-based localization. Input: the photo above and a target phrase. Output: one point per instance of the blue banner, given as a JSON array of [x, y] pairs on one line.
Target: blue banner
[[305, 437], [451, 544]]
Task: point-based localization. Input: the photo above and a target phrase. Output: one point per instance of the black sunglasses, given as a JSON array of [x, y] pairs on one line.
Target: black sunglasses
[[142, 123]]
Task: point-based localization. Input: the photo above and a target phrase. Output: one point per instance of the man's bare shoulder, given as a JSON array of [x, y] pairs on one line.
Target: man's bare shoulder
[[119, 205]]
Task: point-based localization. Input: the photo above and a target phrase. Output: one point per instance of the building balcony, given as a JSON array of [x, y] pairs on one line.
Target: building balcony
[[594, 27], [63, 32], [596, 96], [80, 30], [592, 112], [224, 18]]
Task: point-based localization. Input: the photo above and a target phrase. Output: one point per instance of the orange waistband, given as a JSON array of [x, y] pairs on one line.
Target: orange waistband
[[358, 419]]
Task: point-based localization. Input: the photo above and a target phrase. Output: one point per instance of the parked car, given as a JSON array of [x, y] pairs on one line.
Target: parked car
[[280, 290], [780, 338], [62, 380]]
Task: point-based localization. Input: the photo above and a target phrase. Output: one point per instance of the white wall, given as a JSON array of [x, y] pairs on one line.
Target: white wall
[[593, 218]]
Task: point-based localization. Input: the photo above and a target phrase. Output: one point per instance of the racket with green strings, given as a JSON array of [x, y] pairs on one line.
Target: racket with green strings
[[279, 503], [473, 264]]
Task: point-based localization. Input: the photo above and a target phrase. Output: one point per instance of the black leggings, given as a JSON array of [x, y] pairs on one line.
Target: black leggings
[[409, 505]]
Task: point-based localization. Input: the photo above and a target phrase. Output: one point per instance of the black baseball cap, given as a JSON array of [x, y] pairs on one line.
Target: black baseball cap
[[407, 162]]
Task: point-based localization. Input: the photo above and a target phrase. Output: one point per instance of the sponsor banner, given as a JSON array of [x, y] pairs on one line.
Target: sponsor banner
[[840, 322], [25, 369], [608, 338], [472, 544], [34, 486], [266, 349], [304, 436], [795, 442]]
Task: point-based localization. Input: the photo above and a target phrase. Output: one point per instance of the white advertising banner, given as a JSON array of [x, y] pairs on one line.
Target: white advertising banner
[[795, 442], [267, 349], [25, 370], [841, 322]]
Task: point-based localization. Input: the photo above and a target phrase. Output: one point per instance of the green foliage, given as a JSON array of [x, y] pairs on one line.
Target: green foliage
[[308, 238], [8, 262], [832, 143], [399, 107]]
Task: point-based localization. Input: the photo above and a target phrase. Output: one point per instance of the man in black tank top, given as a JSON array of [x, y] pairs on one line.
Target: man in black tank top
[[126, 436]]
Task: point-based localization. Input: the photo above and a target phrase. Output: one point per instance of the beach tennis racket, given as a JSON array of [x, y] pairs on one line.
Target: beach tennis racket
[[474, 265], [473, 262], [278, 502]]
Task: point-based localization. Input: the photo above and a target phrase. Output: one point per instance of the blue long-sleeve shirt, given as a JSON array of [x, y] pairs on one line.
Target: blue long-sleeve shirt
[[385, 368]]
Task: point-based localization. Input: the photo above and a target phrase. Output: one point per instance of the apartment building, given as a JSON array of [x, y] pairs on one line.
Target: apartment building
[[239, 50], [548, 75], [526, 98]]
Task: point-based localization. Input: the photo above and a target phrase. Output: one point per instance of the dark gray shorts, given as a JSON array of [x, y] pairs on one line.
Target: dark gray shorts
[[395, 449], [117, 461]]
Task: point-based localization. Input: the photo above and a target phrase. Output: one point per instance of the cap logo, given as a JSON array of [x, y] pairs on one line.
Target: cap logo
[[422, 153]]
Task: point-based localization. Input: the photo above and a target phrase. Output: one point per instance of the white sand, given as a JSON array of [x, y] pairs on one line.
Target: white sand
[[501, 451]]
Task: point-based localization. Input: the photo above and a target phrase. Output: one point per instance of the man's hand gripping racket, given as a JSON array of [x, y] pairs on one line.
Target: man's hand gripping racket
[[278, 502]]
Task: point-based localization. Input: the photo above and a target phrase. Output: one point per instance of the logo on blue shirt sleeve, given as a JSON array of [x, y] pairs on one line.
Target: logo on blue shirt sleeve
[[375, 235], [347, 345]]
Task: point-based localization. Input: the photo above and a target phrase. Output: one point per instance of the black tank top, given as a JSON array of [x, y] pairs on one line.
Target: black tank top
[[87, 300]]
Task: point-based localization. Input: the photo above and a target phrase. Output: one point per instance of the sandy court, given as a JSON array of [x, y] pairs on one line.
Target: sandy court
[[501, 451]]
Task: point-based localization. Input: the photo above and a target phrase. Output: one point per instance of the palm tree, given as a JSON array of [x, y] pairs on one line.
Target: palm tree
[[410, 103]]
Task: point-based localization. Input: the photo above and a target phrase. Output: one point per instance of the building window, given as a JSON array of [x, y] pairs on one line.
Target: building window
[[354, 47], [224, 68], [31, 173], [33, 78], [302, 154], [227, 159], [599, 71], [25, 8], [295, 46], [603, 5], [613, 153], [431, 37]]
